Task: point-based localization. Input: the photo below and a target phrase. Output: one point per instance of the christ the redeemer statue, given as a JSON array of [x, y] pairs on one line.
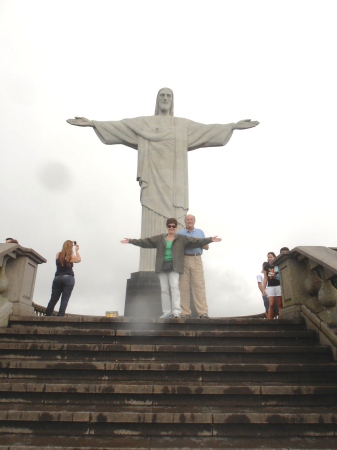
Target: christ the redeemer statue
[[162, 142]]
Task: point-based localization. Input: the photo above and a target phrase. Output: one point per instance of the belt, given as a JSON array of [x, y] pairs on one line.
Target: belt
[[194, 254]]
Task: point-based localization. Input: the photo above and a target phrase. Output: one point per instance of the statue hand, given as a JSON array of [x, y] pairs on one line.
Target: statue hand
[[80, 122], [243, 124]]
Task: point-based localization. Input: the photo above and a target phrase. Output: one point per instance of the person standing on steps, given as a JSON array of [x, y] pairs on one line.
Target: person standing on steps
[[170, 262], [64, 281], [193, 280], [260, 285], [272, 285]]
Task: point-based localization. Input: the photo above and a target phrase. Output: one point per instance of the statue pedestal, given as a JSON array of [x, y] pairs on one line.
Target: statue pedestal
[[143, 297]]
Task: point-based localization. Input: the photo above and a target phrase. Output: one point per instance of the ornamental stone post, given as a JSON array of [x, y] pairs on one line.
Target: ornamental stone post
[[18, 269]]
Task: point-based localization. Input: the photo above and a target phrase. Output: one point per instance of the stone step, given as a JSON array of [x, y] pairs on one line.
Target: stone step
[[165, 366], [182, 353], [157, 337], [168, 371], [100, 383], [187, 401], [148, 394], [168, 388], [190, 420], [232, 430], [172, 414], [52, 442], [120, 323], [161, 332]]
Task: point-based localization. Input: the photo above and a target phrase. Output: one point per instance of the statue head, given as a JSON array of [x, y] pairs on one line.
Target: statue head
[[165, 102]]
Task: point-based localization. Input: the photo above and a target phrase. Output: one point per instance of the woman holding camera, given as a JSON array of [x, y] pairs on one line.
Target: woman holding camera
[[64, 280], [170, 262]]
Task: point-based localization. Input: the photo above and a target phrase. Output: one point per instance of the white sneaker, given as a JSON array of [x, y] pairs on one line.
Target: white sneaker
[[167, 315]]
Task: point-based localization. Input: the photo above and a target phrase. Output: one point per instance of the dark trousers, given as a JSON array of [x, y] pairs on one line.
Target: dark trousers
[[63, 284]]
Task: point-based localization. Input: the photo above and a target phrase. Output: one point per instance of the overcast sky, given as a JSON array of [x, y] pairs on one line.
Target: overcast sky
[[271, 186]]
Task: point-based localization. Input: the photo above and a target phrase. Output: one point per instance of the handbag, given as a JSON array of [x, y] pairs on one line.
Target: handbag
[[167, 266]]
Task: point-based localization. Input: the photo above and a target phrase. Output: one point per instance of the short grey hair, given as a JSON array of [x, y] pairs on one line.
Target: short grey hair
[[190, 215]]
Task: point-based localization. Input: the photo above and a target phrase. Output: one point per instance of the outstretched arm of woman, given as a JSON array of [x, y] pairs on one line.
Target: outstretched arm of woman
[[150, 242]]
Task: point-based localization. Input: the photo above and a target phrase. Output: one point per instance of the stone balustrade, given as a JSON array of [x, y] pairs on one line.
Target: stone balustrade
[[18, 269], [309, 289]]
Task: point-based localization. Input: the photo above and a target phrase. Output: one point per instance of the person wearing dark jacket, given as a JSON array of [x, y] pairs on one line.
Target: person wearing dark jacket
[[170, 262]]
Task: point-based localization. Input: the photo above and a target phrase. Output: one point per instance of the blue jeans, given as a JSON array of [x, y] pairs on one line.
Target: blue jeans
[[266, 302], [63, 284]]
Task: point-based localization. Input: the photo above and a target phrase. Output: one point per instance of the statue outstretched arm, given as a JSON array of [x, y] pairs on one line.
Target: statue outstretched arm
[[244, 124], [81, 122]]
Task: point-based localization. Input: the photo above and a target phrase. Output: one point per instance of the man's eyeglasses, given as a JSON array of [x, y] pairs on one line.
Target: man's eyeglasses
[[171, 226]]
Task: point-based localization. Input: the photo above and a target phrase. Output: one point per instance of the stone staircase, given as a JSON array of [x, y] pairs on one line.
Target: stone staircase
[[126, 383]]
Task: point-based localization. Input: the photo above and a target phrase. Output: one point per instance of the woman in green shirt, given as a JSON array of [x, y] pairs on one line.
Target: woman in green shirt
[[170, 262]]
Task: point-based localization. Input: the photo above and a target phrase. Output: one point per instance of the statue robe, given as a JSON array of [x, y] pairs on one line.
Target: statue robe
[[162, 143]]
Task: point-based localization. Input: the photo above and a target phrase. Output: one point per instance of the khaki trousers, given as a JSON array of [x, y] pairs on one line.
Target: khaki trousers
[[193, 279]]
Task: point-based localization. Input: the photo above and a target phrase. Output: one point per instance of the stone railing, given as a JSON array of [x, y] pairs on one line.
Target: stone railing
[[41, 310], [309, 289], [18, 268]]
